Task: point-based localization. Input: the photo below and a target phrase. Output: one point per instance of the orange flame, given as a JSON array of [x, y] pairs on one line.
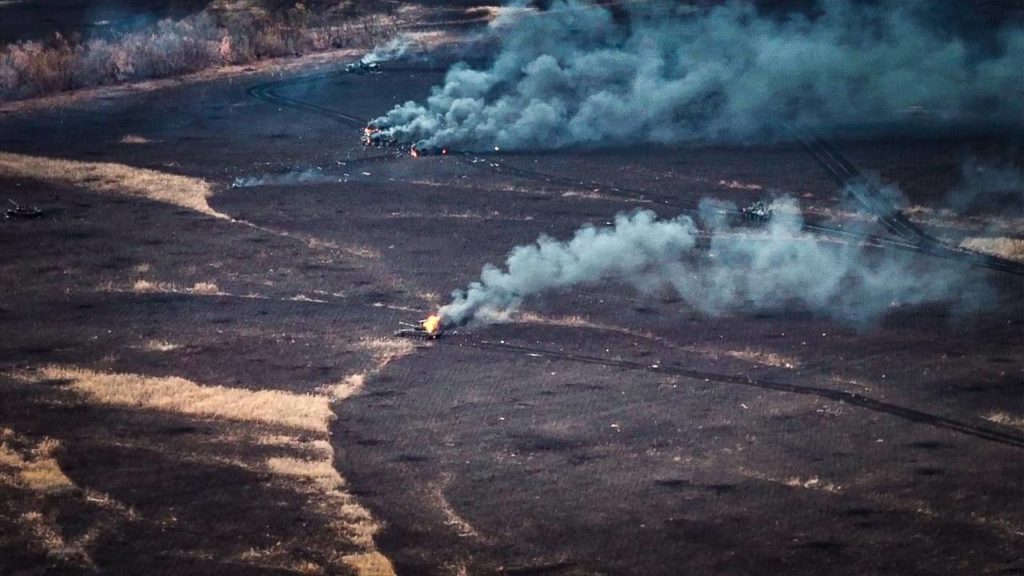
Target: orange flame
[[432, 324], [413, 152]]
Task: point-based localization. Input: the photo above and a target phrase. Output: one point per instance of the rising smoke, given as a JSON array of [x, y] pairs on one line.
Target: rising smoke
[[743, 269], [576, 75], [397, 47], [989, 183]]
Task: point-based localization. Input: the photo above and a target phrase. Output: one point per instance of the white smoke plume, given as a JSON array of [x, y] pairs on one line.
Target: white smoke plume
[[576, 75], [991, 184], [746, 269], [394, 49], [307, 176]]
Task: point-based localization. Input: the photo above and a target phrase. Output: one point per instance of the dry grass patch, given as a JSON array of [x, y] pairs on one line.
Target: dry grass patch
[[320, 471], [113, 179], [307, 467], [1006, 420], [133, 139], [180, 396], [159, 346], [1009, 248], [386, 350], [44, 533], [564, 321], [279, 556], [808, 483], [370, 564], [33, 467], [206, 288], [762, 357], [227, 32], [347, 388], [143, 286]]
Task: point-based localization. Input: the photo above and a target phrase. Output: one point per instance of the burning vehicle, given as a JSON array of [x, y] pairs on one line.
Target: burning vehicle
[[759, 212], [362, 67], [376, 135], [421, 148], [429, 328]]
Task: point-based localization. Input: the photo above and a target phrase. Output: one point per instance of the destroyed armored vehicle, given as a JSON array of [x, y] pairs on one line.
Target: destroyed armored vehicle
[[421, 148], [759, 212], [374, 136], [361, 67], [426, 329], [23, 212]]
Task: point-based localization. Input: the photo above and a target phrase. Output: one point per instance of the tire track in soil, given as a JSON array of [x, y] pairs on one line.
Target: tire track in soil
[[846, 397]]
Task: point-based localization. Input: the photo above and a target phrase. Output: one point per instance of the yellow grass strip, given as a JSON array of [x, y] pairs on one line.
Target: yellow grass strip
[[370, 564], [37, 470], [113, 179], [181, 396], [385, 351], [1006, 420], [763, 357], [1009, 248], [320, 471]]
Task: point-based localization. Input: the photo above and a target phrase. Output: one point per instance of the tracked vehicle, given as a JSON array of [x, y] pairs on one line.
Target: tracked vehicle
[[759, 212]]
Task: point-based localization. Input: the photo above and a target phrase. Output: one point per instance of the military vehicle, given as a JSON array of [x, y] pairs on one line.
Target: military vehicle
[[421, 148], [362, 67], [19, 211], [759, 212], [376, 136], [426, 329]]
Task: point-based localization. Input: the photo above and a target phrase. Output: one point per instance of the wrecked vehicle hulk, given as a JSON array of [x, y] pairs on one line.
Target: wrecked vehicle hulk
[[759, 212], [362, 67], [421, 148], [428, 329], [374, 135]]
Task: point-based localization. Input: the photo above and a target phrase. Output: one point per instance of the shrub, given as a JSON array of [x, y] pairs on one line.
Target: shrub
[[172, 47]]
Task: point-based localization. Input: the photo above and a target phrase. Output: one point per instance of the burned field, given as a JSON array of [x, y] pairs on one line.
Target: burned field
[[200, 374]]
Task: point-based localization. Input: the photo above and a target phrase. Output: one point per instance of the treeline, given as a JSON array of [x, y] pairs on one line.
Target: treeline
[[216, 36]]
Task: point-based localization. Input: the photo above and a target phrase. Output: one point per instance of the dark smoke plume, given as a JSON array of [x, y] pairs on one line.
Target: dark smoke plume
[[576, 75], [745, 269]]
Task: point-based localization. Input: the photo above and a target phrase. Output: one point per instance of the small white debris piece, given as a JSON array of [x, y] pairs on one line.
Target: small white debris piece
[[744, 406], [366, 173]]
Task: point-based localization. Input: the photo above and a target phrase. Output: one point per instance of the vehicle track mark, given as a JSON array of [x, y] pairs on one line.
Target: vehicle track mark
[[846, 397]]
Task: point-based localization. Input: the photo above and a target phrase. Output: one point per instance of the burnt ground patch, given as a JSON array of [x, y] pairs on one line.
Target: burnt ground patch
[[513, 455]]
